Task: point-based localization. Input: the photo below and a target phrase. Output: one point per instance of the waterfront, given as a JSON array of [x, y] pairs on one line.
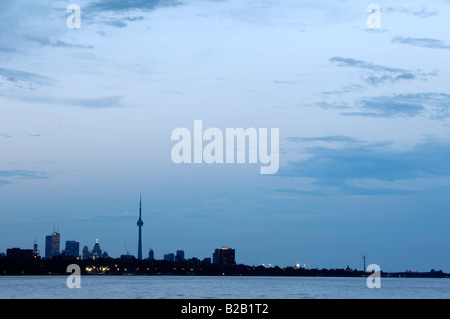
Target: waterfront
[[221, 287]]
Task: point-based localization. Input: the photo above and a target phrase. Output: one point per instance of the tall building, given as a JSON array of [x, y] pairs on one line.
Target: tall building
[[96, 252], [180, 255], [224, 256], [35, 249], [72, 248], [151, 254], [140, 223], [52, 245], [86, 253]]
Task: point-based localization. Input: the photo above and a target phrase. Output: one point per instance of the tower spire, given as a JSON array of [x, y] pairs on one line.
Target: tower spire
[[140, 206], [140, 223]]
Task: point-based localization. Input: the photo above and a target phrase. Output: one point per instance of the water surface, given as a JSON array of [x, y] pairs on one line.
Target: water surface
[[217, 287]]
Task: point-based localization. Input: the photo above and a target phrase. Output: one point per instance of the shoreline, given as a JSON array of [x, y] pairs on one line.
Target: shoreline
[[58, 266]]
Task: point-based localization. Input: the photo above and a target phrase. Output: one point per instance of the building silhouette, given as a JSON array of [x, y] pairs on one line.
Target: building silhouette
[[169, 257], [151, 255], [72, 248], [96, 251], [86, 253], [52, 246], [179, 255], [35, 249], [224, 256], [19, 253], [140, 223]]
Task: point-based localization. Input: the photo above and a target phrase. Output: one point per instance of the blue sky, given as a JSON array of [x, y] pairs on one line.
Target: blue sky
[[87, 116]]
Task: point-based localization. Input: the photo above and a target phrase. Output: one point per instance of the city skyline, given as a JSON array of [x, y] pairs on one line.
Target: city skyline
[[220, 256], [72, 248], [363, 116]]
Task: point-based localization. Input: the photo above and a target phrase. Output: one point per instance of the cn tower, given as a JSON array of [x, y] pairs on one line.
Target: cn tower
[[140, 223]]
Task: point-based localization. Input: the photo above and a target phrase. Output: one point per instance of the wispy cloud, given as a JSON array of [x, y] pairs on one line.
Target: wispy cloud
[[7, 50], [362, 167], [423, 13], [349, 62], [379, 74], [431, 105], [45, 41], [387, 107], [12, 75], [119, 13], [123, 5], [422, 42], [9, 177], [121, 22], [330, 138], [99, 103], [107, 102], [287, 81]]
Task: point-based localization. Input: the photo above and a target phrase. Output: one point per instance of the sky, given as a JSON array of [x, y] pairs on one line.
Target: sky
[[363, 115]]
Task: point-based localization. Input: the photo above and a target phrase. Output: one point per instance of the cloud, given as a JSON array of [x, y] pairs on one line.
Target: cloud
[[111, 101], [7, 50], [375, 80], [14, 76], [387, 107], [45, 41], [331, 138], [128, 5], [431, 105], [379, 74], [348, 62], [121, 23], [422, 42], [99, 103], [62, 44], [115, 23], [423, 13], [8, 177], [21, 20], [363, 167], [116, 13]]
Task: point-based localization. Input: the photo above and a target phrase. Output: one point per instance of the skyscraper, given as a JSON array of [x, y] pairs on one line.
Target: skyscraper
[[151, 254], [72, 248], [180, 255], [35, 249], [224, 256], [140, 223], [86, 253], [169, 257], [52, 245], [96, 251]]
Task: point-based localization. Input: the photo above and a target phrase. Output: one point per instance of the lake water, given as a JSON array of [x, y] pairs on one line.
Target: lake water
[[193, 287]]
